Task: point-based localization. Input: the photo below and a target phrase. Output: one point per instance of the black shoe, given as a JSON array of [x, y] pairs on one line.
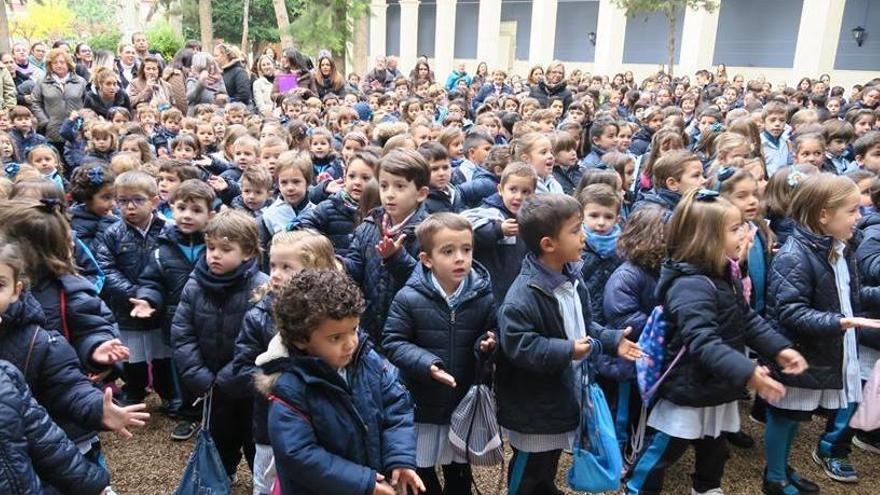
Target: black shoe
[[740, 440], [802, 484], [184, 430], [776, 488]]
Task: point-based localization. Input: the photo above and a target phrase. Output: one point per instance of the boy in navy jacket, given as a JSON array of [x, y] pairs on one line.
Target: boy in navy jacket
[[339, 422], [443, 196], [546, 331]]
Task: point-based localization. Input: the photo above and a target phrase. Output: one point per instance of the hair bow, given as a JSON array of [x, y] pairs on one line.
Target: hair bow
[[51, 204], [12, 170], [722, 175], [706, 195], [716, 127], [96, 176], [795, 177]]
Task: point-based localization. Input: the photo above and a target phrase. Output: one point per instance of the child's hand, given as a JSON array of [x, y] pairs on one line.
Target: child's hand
[[333, 186], [509, 227], [217, 183], [119, 419], [791, 361], [110, 352], [388, 247], [140, 308], [581, 348], [847, 323], [488, 343], [763, 385], [407, 480], [442, 376], [748, 241], [382, 488], [628, 349]]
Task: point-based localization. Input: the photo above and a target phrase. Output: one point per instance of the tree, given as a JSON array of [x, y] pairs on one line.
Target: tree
[[328, 25], [44, 21], [283, 21], [206, 27], [670, 9]]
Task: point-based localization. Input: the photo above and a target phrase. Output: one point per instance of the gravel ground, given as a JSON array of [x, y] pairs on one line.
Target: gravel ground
[[151, 463]]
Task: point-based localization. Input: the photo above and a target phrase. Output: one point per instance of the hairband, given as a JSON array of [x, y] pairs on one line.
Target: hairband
[[795, 177], [706, 195], [722, 175], [50, 204], [12, 170], [716, 127], [96, 176]]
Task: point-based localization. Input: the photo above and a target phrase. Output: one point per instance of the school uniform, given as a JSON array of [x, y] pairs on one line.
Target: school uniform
[[599, 260], [278, 217], [548, 184], [568, 177], [329, 165], [594, 158], [335, 218], [445, 200], [777, 152], [238, 204], [868, 261], [482, 184], [664, 198], [463, 170], [87, 225]]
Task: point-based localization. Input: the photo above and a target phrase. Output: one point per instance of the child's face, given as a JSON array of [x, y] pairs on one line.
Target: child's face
[[567, 158], [184, 152], [478, 153], [454, 148], [171, 125], [576, 115], [10, 288], [191, 216], [219, 127], [420, 134], [440, 174], [738, 152], [349, 147], [22, 124], [147, 118], [655, 121], [253, 197], [204, 116], [629, 171], [812, 152], [863, 125], [5, 123], [44, 161], [119, 120], [568, 244], [557, 107], [624, 139], [833, 107], [292, 185], [608, 139], [284, 262], [836, 146], [234, 118], [399, 196], [840, 222], [734, 234], [871, 160], [205, 135], [130, 146], [103, 202], [136, 206], [705, 123], [357, 175], [745, 197], [293, 111], [319, 146], [6, 148], [541, 157], [451, 257], [244, 156], [102, 143], [599, 219], [690, 179], [269, 157], [547, 125], [516, 191], [333, 341], [774, 124], [413, 111], [865, 191], [388, 106], [224, 256]]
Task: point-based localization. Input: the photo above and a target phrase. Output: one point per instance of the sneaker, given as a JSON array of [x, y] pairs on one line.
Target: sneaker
[[802, 484], [867, 444], [184, 430], [837, 468], [740, 439], [714, 491]]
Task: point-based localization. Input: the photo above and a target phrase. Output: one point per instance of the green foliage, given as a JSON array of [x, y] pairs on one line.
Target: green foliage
[[92, 17], [326, 24], [163, 39], [106, 40], [227, 20], [635, 6]]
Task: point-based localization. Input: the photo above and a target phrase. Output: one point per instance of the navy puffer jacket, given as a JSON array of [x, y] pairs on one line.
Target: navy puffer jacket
[[440, 201], [206, 324], [596, 270], [341, 432], [36, 453], [333, 218], [257, 330], [628, 301], [868, 260], [422, 331], [802, 300], [664, 198], [87, 225], [641, 141], [482, 185], [501, 255]]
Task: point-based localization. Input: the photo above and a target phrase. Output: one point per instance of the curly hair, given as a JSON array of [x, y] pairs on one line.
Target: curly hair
[[643, 240], [87, 180], [311, 297]]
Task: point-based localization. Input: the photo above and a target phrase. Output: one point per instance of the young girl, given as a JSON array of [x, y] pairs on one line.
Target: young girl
[[453, 139], [664, 140], [293, 176], [810, 148], [291, 253], [602, 138], [813, 296], [777, 197], [729, 146], [326, 163], [45, 159], [352, 142], [7, 149], [625, 167], [91, 189], [535, 149], [102, 142], [702, 294]]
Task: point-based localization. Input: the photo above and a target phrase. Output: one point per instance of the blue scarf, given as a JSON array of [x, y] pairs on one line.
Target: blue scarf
[[604, 245]]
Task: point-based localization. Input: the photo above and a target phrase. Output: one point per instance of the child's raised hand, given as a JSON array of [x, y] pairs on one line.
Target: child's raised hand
[[387, 247], [334, 186], [407, 480], [509, 227], [748, 241], [382, 488], [140, 308], [119, 419], [847, 323], [764, 385], [488, 342], [217, 183], [791, 361], [110, 352], [442, 376], [628, 349]]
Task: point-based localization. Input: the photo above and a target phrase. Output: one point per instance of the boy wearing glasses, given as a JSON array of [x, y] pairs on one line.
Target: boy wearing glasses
[[123, 251]]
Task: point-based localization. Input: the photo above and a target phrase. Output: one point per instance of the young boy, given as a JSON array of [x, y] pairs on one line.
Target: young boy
[[339, 421], [546, 332], [384, 247], [435, 351], [271, 148], [443, 196], [245, 152], [171, 174], [206, 324], [475, 148], [777, 150], [867, 151], [675, 173], [22, 133], [838, 134], [256, 191], [165, 133], [601, 207], [651, 120], [496, 243], [122, 252], [180, 246], [484, 181], [293, 175]]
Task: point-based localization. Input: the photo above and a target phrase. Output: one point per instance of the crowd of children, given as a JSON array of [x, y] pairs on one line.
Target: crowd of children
[[334, 272]]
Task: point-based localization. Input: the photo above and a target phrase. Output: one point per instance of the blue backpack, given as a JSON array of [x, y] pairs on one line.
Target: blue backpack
[[651, 370]]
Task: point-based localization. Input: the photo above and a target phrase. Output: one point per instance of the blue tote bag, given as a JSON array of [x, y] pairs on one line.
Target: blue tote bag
[[204, 473], [597, 464]]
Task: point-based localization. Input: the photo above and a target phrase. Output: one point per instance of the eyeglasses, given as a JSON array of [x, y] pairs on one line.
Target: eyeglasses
[[137, 201]]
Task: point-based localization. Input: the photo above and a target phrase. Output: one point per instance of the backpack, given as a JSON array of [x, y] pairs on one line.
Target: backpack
[[650, 369]]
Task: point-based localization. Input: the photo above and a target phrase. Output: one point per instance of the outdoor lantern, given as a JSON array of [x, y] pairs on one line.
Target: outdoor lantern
[[858, 33], [592, 36]]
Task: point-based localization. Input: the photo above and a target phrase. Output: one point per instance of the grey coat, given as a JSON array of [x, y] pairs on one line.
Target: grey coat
[[51, 103]]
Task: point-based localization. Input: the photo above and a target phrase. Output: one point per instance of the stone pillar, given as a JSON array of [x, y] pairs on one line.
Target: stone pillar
[[697, 41], [444, 39], [377, 29], [543, 35], [409, 34], [488, 32], [610, 35], [817, 38]]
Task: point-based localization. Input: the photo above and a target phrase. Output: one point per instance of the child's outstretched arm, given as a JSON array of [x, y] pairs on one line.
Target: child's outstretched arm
[[526, 347]]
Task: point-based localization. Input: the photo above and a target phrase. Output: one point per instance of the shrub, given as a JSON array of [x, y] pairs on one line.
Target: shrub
[[164, 39], [107, 40]]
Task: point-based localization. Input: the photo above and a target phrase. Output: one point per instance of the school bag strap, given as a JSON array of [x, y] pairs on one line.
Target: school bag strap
[[27, 359], [64, 327], [288, 405]]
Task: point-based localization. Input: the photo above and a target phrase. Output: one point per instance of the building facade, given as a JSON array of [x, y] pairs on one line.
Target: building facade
[[783, 40]]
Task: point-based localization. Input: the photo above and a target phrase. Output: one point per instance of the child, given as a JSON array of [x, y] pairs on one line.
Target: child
[[625, 167], [45, 159], [171, 174], [452, 138], [206, 324], [271, 148], [866, 150], [23, 133], [102, 142], [256, 191], [807, 272], [476, 147], [293, 176], [245, 152], [167, 132], [601, 207], [324, 380], [675, 173], [137, 144], [337, 217], [810, 149], [864, 179], [438, 318], [496, 243], [838, 134], [123, 251], [484, 181], [384, 247], [777, 149], [91, 188], [702, 297], [566, 170], [327, 164], [546, 332], [602, 138], [443, 196], [777, 197], [535, 149], [179, 247], [651, 120], [8, 152]]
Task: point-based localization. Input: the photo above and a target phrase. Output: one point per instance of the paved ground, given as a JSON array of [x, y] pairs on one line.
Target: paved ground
[[151, 463]]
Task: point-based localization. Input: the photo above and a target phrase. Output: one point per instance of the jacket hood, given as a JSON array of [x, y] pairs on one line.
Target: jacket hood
[[671, 270], [495, 201], [663, 197], [869, 220], [25, 311], [172, 235]]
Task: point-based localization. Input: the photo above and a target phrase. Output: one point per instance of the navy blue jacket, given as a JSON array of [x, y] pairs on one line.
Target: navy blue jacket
[[342, 433], [422, 331], [333, 218], [501, 259], [568, 178], [802, 300], [257, 329], [23, 143], [534, 378], [94, 102], [482, 185], [641, 141], [123, 253], [488, 90], [381, 279], [782, 227], [36, 453], [868, 261], [330, 164], [206, 324], [710, 316], [594, 158], [596, 270], [74, 145], [439, 201], [87, 225], [627, 302], [664, 198]]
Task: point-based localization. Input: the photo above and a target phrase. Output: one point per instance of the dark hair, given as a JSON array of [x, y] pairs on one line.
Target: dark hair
[[474, 139], [193, 190], [408, 164], [643, 240], [430, 226], [544, 216], [310, 298], [862, 145], [433, 151], [874, 191], [87, 180], [599, 194]]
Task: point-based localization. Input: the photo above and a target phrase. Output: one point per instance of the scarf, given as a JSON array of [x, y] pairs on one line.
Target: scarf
[[736, 274], [223, 284], [348, 200], [604, 245], [392, 231]]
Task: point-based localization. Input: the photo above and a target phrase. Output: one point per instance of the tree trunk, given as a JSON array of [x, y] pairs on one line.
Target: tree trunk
[[359, 46], [206, 25], [4, 29], [670, 38], [283, 23], [341, 23], [244, 30]]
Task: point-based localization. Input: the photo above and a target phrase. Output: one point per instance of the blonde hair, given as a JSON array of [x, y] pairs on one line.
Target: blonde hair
[[820, 192], [696, 232], [729, 141], [524, 145], [313, 250], [125, 162], [235, 226], [295, 160]]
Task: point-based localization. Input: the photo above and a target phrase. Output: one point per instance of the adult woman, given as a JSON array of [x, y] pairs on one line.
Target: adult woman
[[270, 53], [482, 73], [235, 77], [805, 85], [294, 62], [126, 64], [175, 75], [148, 87], [536, 75], [106, 93], [553, 85], [328, 79], [84, 57], [264, 68], [421, 73], [204, 81], [56, 95]]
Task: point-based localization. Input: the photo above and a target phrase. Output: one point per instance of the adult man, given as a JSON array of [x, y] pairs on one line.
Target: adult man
[[378, 78]]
